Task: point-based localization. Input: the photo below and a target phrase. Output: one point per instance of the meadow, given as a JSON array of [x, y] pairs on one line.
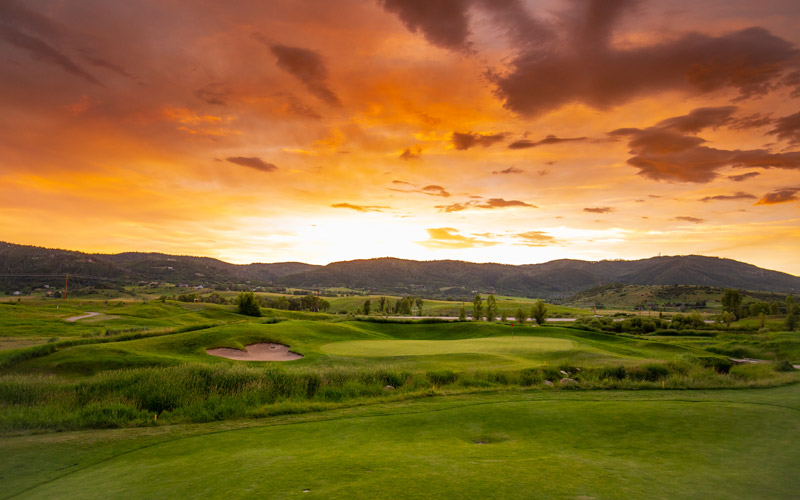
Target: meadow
[[129, 401]]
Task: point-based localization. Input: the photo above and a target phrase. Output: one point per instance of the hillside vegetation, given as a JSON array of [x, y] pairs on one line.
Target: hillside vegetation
[[27, 267]]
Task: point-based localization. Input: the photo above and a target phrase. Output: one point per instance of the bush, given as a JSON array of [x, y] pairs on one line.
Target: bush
[[784, 366], [248, 305], [720, 365]]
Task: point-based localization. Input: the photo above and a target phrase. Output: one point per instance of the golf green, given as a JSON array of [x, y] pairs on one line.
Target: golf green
[[489, 345]]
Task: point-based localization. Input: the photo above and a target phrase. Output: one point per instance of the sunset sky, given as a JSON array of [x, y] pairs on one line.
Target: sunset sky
[[483, 130]]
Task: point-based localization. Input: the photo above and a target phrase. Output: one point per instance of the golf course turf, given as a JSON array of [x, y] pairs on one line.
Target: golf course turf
[[384, 409], [610, 444]]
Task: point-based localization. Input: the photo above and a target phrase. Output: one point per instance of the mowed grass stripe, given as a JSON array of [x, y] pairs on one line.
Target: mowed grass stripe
[[491, 345]]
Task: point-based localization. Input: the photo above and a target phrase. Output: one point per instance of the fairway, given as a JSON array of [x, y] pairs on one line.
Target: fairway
[[493, 345], [614, 445]]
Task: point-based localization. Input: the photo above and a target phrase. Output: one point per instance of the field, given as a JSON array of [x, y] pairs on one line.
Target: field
[[381, 409]]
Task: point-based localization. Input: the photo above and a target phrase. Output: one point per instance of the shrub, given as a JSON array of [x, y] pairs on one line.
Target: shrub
[[720, 365], [784, 366], [442, 377], [248, 305]]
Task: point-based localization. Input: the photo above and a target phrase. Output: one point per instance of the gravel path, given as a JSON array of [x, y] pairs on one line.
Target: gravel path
[[87, 315]]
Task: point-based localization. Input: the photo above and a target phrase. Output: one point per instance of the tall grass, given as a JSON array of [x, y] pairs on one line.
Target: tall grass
[[202, 393], [13, 357]]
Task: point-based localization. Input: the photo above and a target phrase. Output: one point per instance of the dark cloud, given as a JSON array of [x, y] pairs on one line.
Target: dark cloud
[[743, 177], [108, 65], [780, 196], [693, 220], [360, 208], [668, 152], [751, 61], [442, 22], [491, 203], [509, 170], [726, 197], [599, 210], [756, 120], [411, 153], [536, 239], [569, 56], [788, 128], [297, 108], [434, 190], [550, 139], [307, 66], [213, 93], [252, 162], [430, 190], [44, 51], [501, 203], [462, 141], [699, 119]]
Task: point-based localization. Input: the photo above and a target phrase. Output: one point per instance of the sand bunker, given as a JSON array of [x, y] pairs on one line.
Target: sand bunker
[[257, 352]]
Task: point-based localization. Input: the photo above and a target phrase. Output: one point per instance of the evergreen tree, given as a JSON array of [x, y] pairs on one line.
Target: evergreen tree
[[477, 307], [491, 308]]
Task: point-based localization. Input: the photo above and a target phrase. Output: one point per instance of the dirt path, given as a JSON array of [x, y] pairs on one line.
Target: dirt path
[[756, 361], [87, 315]]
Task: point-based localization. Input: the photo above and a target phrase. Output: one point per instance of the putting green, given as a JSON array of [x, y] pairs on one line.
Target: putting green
[[490, 345]]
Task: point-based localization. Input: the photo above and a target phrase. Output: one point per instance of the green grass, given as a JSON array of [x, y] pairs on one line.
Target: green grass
[[491, 345], [553, 445], [475, 409]]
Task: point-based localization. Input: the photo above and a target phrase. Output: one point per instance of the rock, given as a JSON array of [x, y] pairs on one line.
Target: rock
[[388, 388], [548, 383], [568, 381], [564, 373]]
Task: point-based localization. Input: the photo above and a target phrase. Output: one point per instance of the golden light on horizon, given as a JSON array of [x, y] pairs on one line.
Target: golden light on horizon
[[307, 131]]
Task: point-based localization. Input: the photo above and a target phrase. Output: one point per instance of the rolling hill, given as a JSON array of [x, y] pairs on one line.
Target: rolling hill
[[31, 266]]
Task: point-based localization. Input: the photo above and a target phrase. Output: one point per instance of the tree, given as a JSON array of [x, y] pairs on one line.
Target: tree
[[791, 322], [491, 308], [477, 307], [791, 305], [248, 304], [521, 316], [419, 305], [731, 302], [727, 318], [792, 313], [539, 312], [503, 317], [367, 306], [382, 304], [462, 314]]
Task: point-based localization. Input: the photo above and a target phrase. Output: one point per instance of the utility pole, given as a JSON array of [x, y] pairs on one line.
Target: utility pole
[[66, 281]]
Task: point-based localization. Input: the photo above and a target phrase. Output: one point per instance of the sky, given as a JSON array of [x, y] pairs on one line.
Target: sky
[[504, 131]]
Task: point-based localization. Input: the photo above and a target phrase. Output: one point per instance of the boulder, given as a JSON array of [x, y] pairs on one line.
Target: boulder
[[388, 388], [548, 383], [568, 381]]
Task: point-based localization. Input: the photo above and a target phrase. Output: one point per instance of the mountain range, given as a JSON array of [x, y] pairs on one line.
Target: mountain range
[[31, 266]]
